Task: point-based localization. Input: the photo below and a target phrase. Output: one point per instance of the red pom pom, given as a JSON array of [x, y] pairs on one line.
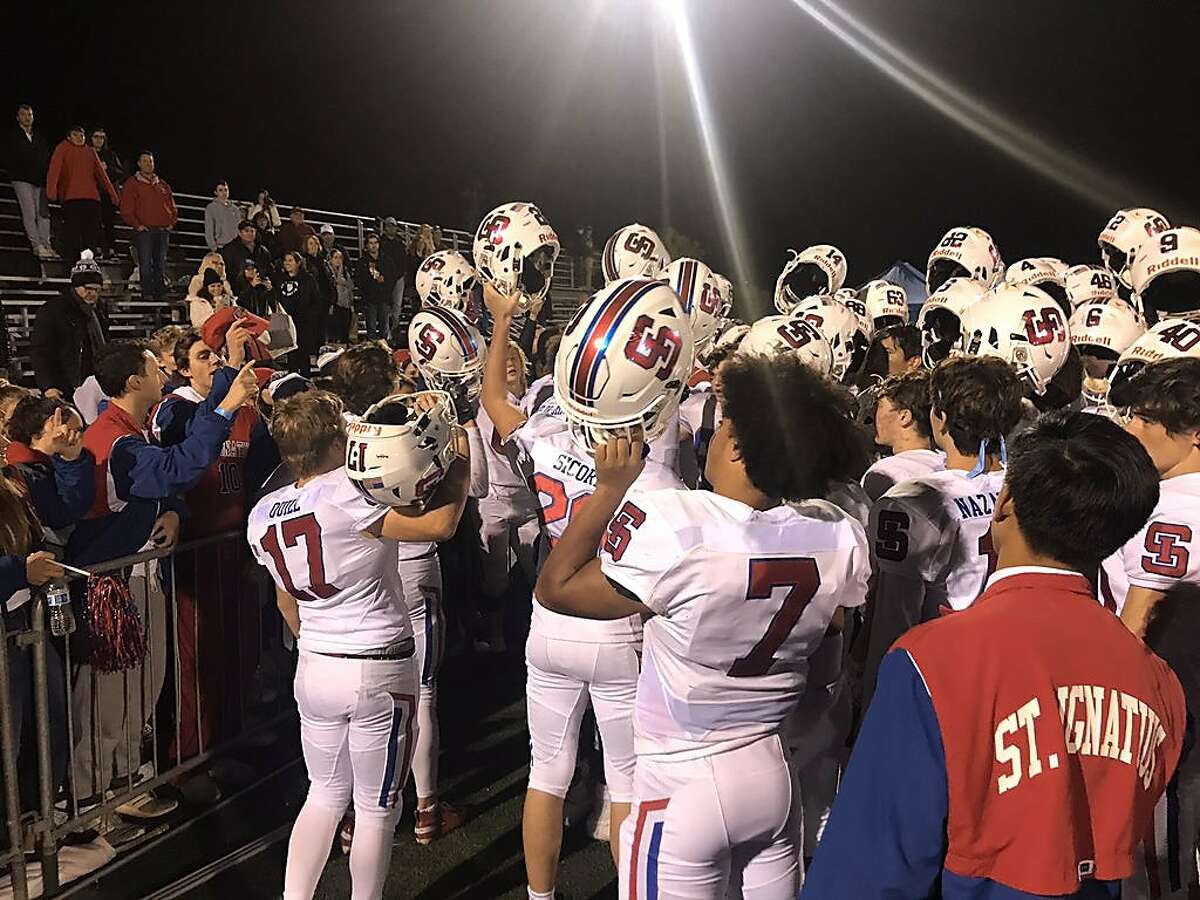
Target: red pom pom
[[118, 637]]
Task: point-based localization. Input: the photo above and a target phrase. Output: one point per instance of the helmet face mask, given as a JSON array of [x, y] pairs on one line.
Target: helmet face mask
[[940, 319], [623, 362], [1168, 339], [819, 269], [397, 454], [842, 328], [1165, 274], [963, 252], [445, 279]]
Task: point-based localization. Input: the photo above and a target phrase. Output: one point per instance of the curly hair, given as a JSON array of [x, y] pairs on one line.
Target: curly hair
[[363, 375], [980, 398], [792, 427], [910, 391], [1168, 393]]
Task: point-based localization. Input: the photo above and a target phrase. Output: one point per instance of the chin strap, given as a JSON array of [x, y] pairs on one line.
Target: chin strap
[[982, 463]]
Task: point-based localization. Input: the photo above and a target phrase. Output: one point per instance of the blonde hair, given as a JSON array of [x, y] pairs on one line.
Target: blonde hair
[[213, 260], [163, 341], [424, 243], [306, 427], [515, 349]]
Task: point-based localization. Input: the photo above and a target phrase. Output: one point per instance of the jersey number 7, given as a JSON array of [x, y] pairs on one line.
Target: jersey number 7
[[293, 530], [800, 576]]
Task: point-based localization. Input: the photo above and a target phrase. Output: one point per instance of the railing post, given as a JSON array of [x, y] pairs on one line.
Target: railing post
[[44, 828], [8, 762]]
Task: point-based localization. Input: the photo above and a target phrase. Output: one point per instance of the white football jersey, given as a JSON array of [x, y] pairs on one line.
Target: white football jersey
[[564, 477], [311, 539], [851, 498], [1159, 557], [503, 459], [886, 473], [539, 392], [700, 415], [743, 597]]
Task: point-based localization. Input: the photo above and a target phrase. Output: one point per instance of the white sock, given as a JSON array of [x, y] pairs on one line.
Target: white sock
[[370, 857], [537, 895], [308, 849]]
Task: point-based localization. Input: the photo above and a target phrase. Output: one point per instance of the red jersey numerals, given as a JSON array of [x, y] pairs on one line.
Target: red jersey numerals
[[556, 505], [1167, 552], [649, 348], [304, 527], [628, 519], [1183, 337], [1045, 326], [800, 576]]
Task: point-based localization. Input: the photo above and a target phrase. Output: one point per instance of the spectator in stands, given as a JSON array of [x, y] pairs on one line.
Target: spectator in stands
[[300, 297], [373, 288], [221, 218], [217, 635], [265, 205], [393, 255], [26, 564], [209, 298], [211, 260], [267, 235], [329, 240], [10, 396], [317, 265], [148, 207], [243, 247], [293, 232], [342, 313], [257, 294], [76, 180], [137, 505], [69, 332], [26, 157], [115, 170]]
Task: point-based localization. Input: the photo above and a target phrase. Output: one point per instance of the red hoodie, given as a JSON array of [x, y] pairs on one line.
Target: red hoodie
[[148, 203], [76, 174]]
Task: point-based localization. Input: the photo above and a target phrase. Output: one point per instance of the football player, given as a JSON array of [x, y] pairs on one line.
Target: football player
[[902, 426], [329, 544], [740, 585], [931, 549], [621, 369], [1153, 581]]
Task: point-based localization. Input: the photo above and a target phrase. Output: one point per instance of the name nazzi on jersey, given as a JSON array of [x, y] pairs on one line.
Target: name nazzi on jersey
[[1096, 721], [976, 505]]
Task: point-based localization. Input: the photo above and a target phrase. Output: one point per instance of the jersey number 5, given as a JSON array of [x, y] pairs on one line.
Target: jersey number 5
[[292, 530], [800, 576]]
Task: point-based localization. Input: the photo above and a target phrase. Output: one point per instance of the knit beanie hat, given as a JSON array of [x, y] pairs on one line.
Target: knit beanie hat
[[86, 271], [211, 277]]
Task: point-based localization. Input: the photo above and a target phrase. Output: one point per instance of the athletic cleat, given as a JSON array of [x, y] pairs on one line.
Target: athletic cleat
[[437, 821]]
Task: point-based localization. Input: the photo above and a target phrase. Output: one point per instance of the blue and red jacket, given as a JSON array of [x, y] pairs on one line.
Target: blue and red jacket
[[60, 489], [136, 482], [1015, 749]]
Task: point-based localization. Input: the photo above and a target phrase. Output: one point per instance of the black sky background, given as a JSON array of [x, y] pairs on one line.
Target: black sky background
[[438, 110]]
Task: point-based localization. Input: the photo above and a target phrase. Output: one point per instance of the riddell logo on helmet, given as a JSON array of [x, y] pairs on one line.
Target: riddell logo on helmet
[[1173, 263], [363, 429]]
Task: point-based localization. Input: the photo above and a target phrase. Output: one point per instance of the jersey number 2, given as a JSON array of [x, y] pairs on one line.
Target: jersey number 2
[[292, 530], [800, 576]]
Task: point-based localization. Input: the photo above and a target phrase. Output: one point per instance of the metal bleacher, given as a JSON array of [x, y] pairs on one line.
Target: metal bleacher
[[26, 283]]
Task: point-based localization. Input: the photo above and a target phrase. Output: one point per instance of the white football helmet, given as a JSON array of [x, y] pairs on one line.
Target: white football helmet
[[448, 350], [1165, 274], [700, 296], [726, 287], [515, 249], [940, 318], [1039, 272], [730, 333], [624, 361], [1089, 284], [819, 269], [843, 330], [886, 303], [1023, 326], [445, 279], [635, 251], [849, 298], [1103, 331], [1168, 339], [1123, 234], [397, 454], [783, 334], [965, 252]]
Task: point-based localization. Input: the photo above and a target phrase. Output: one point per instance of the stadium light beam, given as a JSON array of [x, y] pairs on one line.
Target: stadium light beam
[[732, 232], [1071, 172]]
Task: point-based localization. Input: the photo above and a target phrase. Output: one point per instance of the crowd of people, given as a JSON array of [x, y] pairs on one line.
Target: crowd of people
[[833, 601]]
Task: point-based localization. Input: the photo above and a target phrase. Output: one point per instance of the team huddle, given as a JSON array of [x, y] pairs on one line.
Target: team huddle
[[738, 534]]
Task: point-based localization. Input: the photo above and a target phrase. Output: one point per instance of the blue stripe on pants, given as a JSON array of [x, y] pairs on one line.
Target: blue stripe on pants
[[652, 862], [389, 771]]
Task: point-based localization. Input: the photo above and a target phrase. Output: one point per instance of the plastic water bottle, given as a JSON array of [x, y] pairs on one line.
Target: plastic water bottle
[[58, 605]]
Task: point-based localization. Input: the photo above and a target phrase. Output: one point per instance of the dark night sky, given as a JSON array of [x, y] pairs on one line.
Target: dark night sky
[[428, 110]]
